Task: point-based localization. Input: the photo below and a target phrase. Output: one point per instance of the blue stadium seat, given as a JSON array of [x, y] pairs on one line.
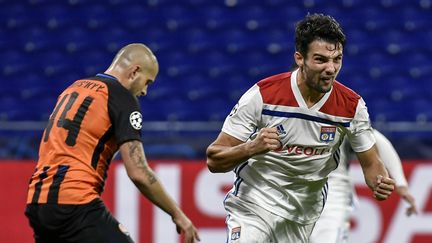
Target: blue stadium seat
[[210, 53], [179, 151], [210, 57]]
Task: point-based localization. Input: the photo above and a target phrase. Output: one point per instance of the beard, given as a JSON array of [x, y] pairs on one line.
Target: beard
[[315, 82]]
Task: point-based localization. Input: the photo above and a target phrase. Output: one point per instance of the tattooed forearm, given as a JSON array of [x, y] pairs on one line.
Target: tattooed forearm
[[132, 149], [136, 153], [150, 175]]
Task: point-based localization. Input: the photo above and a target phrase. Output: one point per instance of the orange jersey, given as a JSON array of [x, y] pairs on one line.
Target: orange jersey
[[92, 118]]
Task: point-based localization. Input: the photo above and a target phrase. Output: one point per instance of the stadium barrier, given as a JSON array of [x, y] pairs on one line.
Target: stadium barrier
[[201, 195]]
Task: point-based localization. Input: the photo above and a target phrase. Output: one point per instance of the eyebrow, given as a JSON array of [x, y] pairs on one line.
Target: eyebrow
[[328, 57]]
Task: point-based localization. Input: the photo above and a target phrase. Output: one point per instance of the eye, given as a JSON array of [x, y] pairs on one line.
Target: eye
[[320, 60]]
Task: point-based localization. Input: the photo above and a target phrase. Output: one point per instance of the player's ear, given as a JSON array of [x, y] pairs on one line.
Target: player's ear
[[299, 59], [133, 71]]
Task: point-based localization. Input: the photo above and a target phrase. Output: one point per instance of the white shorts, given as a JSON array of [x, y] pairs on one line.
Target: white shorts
[[333, 226], [249, 223]]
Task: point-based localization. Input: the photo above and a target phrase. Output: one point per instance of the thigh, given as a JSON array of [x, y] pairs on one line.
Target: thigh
[[89, 223], [333, 227], [246, 229], [327, 231], [48, 221], [99, 226], [290, 231], [244, 225]]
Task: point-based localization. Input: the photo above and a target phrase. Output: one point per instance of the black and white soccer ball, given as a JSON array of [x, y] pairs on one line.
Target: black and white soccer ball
[[135, 119]]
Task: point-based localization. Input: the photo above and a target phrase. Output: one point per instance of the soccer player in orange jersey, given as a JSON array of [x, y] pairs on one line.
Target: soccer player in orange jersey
[[93, 118]]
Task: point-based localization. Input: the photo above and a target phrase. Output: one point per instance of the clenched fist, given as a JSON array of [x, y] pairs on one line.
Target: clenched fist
[[383, 187], [266, 140]]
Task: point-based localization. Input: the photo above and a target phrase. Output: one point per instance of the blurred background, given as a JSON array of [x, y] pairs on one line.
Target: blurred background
[[210, 52]]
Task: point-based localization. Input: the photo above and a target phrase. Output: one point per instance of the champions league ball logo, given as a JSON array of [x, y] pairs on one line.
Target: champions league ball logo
[[135, 119]]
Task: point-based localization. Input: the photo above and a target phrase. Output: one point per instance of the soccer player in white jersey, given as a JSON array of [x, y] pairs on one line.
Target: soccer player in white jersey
[[334, 223], [282, 140]]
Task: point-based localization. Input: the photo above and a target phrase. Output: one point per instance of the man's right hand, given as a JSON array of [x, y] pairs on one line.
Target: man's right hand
[[266, 140], [184, 226], [383, 188]]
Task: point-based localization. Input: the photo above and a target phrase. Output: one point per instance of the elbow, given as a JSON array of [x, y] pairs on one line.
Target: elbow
[[215, 164], [136, 178], [213, 167]]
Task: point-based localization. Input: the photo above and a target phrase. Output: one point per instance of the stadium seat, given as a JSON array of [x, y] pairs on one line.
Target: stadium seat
[[211, 54]]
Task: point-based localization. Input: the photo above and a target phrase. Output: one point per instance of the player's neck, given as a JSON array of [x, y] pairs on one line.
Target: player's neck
[[310, 96], [117, 74]]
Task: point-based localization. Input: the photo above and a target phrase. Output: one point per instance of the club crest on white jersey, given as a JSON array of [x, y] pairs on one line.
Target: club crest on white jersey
[[327, 133], [235, 233]]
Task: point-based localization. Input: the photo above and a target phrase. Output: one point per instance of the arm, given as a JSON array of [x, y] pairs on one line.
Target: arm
[[394, 166], [145, 180], [390, 158], [226, 152], [375, 174], [406, 195]]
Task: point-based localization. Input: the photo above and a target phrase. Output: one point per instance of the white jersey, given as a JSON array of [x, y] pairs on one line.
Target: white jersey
[[339, 180], [340, 187], [291, 182], [334, 222]]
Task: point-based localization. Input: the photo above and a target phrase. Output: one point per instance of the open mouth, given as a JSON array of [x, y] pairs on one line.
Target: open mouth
[[327, 79]]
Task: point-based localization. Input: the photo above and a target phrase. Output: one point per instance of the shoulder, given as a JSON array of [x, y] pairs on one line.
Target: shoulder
[[116, 91], [342, 102], [276, 90], [113, 86], [274, 80], [345, 92]]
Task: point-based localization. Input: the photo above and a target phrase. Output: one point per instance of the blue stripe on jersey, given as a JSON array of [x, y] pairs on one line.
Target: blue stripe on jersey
[[239, 168], [239, 180], [336, 157], [324, 193], [237, 185], [303, 116]]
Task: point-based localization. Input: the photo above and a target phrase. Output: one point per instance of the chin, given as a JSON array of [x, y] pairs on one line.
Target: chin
[[325, 90]]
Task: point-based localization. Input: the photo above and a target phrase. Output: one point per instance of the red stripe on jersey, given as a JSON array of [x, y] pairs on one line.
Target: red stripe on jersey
[[342, 101], [276, 90]]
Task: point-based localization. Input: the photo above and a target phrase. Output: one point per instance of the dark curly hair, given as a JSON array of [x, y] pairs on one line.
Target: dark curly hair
[[317, 27]]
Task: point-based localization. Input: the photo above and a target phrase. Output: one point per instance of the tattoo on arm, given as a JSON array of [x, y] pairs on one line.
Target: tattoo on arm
[[137, 155]]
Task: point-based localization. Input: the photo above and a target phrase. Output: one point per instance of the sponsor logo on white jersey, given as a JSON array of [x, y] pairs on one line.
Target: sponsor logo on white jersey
[[308, 151]]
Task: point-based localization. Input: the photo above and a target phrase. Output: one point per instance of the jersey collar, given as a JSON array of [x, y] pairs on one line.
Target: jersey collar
[[298, 96], [104, 75]]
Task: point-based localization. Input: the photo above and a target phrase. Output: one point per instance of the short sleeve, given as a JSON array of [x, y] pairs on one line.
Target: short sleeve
[[125, 114], [243, 120], [360, 131]]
